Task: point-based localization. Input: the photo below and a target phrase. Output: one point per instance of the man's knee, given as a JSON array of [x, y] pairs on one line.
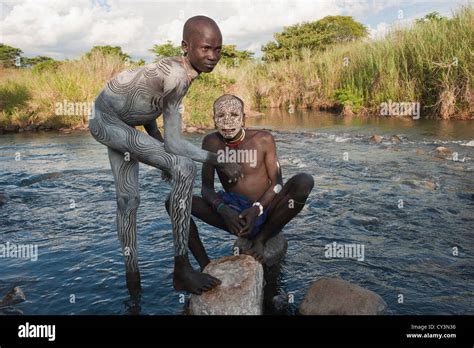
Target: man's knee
[[184, 168], [126, 202], [304, 183]]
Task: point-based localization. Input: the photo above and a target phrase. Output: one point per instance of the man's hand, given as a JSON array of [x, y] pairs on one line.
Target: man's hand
[[232, 171], [232, 220], [249, 216]]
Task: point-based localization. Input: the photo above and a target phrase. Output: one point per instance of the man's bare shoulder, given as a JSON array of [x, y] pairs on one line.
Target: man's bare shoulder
[[261, 135], [211, 141], [172, 67]]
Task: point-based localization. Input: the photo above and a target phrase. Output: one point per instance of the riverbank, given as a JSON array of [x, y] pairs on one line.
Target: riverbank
[[425, 70]]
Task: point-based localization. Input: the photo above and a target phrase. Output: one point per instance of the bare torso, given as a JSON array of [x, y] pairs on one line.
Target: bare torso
[[256, 179]]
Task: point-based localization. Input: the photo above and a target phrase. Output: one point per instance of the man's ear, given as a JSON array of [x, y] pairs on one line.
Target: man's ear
[[243, 120], [184, 47]]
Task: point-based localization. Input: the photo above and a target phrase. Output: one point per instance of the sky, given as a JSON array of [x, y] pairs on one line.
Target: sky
[[67, 29]]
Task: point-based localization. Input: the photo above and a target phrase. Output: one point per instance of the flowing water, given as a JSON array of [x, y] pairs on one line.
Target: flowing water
[[411, 210]]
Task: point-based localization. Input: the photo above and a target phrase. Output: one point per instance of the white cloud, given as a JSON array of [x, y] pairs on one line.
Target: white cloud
[[63, 28]]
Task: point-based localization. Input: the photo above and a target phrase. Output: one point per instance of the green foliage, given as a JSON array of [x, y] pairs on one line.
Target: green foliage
[[8, 55], [349, 97], [13, 95], [47, 65], [316, 36], [230, 56], [109, 51], [431, 17], [25, 61], [166, 50]]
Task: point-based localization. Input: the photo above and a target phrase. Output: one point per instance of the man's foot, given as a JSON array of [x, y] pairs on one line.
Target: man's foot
[[256, 251], [133, 283], [203, 264], [185, 278]]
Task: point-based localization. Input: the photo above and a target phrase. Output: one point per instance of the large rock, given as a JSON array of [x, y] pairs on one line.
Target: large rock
[[241, 291], [328, 296], [274, 251]]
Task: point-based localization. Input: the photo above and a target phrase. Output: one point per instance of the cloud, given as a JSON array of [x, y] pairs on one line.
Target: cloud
[[67, 29]]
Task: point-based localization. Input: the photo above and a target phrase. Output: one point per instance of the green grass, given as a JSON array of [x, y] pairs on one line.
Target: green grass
[[431, 63]]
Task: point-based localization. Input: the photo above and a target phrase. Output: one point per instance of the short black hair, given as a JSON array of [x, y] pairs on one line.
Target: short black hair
[[192, 26]]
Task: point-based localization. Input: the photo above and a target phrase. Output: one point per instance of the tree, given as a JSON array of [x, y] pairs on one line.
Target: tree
[[8, 55], [431, 17], [316, 36], [109, 50], [166, 50], [25, 61], [230, 56]]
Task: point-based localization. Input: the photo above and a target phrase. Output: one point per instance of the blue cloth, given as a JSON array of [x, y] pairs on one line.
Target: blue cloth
[[239, 203]]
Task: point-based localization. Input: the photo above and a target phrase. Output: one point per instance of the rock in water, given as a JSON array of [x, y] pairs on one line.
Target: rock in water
[[395, 139], [241, 291], [14, 296], [470, 143], [3, 198], [363, 220], [441, 150], [275, 248], [375, 139], [328, 296]]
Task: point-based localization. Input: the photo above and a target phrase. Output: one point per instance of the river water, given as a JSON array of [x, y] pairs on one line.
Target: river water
[[410, 209]]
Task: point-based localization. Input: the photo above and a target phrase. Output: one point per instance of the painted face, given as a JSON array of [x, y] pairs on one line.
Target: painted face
[[228, 117]]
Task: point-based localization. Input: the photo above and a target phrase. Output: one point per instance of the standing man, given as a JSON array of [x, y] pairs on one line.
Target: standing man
[[137, 97]]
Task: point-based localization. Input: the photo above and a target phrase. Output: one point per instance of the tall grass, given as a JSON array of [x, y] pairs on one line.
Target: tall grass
[[431, 63]]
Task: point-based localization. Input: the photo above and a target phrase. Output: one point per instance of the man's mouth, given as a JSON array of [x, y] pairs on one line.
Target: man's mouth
[[210, 66], [229, 130]]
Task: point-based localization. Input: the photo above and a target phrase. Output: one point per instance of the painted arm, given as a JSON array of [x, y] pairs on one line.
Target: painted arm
[[174, 143], [152, 130]]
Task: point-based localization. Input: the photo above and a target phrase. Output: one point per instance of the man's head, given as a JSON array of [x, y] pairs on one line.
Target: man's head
[[229, 115], [202, 43]]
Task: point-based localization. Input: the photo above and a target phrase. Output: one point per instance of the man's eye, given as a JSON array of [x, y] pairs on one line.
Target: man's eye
[[205, 48]]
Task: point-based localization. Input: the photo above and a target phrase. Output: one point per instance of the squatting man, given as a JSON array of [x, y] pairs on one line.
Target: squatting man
[[258, 205]]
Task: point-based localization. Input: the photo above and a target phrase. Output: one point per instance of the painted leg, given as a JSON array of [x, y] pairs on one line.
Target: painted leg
[[128, 199], [202, 210], [113, 132]]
